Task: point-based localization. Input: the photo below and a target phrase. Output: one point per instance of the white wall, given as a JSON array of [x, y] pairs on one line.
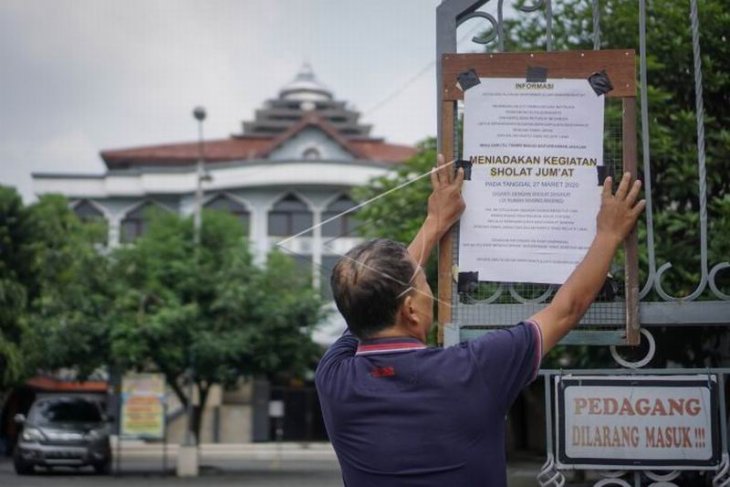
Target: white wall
[[311, 137]]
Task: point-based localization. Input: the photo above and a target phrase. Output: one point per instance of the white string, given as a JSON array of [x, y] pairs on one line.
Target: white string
[[364, 203], [361, 205]]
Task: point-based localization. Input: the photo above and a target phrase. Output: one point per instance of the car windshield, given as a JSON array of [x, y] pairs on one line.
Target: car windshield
[[65, 410]]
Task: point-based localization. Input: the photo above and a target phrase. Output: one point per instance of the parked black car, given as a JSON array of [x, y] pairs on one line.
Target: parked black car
[[63, 430]]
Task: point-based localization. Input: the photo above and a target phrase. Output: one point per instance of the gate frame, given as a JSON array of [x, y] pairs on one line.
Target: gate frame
[[619, 64], [667, 310]]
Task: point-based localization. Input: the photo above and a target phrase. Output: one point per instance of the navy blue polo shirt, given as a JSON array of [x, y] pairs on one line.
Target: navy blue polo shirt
[[399, 413]]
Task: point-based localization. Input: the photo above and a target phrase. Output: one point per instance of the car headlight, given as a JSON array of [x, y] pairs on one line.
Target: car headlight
[[94, 435], [32, 434]]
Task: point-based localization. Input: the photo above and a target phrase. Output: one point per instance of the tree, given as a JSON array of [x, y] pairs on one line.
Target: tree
[[159, 304], [673, 154], [70, 293], [672, 126], [15, 276], [671, 104], [378, 219], [209, 314], [52, 282]]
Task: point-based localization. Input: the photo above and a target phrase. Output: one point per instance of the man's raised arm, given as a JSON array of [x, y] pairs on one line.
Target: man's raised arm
[[445, 206], [615, 220]]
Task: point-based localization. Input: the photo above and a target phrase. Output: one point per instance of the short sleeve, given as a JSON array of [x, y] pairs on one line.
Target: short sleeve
[[344, 348], [509, 359]]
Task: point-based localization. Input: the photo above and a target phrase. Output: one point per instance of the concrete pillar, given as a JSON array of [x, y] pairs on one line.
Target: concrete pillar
[[114, 237], [316, 246], [260, 231], [187, 461]]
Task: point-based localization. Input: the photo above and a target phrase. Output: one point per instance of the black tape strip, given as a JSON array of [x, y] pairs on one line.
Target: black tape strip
[[600, 83], [536, 74], [609, 290], [466, 166], [467, 282], [603, 173], [468, 79]]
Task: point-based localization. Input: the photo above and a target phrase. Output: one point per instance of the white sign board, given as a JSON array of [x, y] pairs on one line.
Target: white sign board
[[533, 196], [620, 421], [276, 409]]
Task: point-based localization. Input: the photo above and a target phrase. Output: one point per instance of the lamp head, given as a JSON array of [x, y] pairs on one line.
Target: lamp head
[[199, 114]]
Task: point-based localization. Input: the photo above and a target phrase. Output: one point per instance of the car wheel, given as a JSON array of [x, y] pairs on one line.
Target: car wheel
[[22, 467], [104, 468]]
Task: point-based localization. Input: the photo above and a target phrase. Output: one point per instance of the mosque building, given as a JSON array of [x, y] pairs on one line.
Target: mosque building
[[287, 171]]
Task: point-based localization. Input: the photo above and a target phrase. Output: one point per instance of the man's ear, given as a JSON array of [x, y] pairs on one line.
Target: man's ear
[[407, 311]]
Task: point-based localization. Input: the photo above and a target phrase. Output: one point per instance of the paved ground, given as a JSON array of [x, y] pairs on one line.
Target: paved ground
[[290, 465]]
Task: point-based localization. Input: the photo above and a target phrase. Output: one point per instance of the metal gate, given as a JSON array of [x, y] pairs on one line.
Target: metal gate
[[704, 303]]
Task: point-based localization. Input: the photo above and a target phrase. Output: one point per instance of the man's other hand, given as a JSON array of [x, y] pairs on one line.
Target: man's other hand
[[445, 205], [616, 218], [619, 211]]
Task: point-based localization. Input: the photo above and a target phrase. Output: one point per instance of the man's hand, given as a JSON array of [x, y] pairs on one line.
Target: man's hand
[[619, 212], [616, 218], [445, 206]]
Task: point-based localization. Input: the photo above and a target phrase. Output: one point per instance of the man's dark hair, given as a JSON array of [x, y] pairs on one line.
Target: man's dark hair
[[369, 284]]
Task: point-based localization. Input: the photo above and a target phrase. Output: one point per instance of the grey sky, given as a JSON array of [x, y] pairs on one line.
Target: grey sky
[[79, 76]]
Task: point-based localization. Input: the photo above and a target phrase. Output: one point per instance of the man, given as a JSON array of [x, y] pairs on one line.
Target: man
[[401, 414]]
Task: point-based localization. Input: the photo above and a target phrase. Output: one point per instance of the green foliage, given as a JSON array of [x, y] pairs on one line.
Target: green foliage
[[398, 214], [211, 309], [672, 125], [159, 304], [15, 275], [379, 218], [223, 311], [673, 135], [53, 291], [282, 305], [71, 291]]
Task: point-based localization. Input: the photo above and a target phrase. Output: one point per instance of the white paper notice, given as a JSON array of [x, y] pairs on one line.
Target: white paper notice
[[532, 200]]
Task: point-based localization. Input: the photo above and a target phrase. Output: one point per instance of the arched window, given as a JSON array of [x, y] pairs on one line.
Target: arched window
[[289, 216], [311, 154], [87, 212], [343, 225], [135, 223], [229, 205]]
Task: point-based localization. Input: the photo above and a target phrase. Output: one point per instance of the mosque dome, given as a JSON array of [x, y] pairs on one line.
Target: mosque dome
[[305, 87], [305, 97]]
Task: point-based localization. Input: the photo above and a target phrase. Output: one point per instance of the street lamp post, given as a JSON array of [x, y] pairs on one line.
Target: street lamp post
[[188, 456], [199, 114]]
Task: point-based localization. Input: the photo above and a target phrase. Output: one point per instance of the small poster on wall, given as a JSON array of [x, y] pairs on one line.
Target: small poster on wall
[[143, 408]]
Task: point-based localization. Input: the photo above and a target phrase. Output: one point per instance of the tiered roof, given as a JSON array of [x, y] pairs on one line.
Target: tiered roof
[[304, 102]]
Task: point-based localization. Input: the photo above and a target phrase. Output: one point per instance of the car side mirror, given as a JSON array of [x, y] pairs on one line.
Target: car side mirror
[[19, 418]]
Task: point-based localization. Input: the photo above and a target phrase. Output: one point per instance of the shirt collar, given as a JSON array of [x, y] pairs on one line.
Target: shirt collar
[[389, 345]]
